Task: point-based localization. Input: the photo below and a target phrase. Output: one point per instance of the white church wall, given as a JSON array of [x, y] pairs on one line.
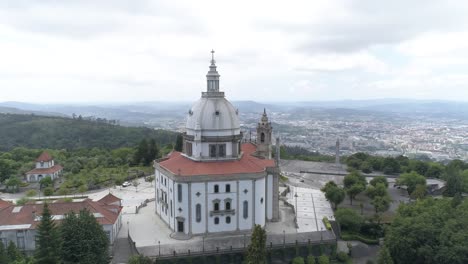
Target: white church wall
[[245, 223], [198, 227], [260, 202], [183, 204], [269, 197]]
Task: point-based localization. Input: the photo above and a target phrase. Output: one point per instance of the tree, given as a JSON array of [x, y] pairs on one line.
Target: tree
[[323, 259], [378, 190], [390, 165], [354, 190], [3, 253], [153, 152], [366, 167], [47, 239], [256, 252], [13, 183], [410, 180], [429, 231], [310, 260], [140, 259], [334, 194], [419, 192], [349, 219], [381, 203], [454, 181], [13, 253], [384, 256], [141, 152], [48, 191], [45, 182], [379, 179], [354, 184], [179, 141], [298, 260], [84, 240]]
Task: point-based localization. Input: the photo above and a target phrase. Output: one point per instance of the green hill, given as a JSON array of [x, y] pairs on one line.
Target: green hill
[[41, 132]]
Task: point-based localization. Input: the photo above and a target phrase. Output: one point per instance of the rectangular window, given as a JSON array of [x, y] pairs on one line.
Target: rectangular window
[[222, 150], [198, 213], [246, 209], [20, 239], [188, 149], [179, 192], [171, 209], [108, 235], [212, 151]]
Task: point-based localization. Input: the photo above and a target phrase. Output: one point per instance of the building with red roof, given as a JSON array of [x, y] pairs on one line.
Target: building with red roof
[[18, 224], [217, 183], [45, 167]]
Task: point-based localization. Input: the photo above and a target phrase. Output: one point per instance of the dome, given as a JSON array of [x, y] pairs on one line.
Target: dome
[[213, 114]]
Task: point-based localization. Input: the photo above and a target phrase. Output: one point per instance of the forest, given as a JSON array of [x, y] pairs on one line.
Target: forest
[[46, 132], [94, 154]]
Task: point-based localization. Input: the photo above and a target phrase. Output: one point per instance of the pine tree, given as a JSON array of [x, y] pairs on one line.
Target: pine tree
[[141, 152], [13, 254], [48, 239], [256, 252], [3, 254], [384, 256], [153, 152], [84, 240], [179, 142]]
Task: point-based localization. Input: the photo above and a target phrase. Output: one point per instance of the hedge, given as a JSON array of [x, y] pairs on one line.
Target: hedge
[[366, 240]]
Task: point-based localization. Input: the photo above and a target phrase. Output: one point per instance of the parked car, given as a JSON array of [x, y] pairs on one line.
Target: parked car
[[126, 184]]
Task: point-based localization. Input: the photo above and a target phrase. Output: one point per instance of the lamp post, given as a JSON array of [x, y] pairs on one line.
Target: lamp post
[[284, 238], [321, 234], [159, 244], [203, 238]]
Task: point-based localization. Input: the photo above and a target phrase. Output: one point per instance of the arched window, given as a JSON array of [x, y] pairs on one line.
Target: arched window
[[216, 188], [228, 187], [179, 192], [228, 206], [262, 137], [216, 220], [198, 213], [246, 209], [228, 219], [216, 206]]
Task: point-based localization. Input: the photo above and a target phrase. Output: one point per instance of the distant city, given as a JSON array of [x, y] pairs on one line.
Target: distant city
[[418, 129]]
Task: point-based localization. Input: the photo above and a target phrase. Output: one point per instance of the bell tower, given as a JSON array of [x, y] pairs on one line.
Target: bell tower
[[263, 141]]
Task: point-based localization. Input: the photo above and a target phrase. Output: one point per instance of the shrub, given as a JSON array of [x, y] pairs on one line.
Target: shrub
[[366, 240], [298, 260], [22, 201], [323, 260], [48, 191], [31, 193], [310, 260], [342, 257]]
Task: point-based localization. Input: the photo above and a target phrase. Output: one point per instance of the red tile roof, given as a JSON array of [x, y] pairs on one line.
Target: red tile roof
[[180, 165], [110, 199], [44, 157], [4, 204], [53, 169], [26, 214]]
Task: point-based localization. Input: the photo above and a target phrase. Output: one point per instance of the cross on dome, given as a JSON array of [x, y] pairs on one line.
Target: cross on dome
[[212, 57]]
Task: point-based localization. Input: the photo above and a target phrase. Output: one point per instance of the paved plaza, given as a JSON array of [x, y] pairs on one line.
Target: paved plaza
[[311, 206]]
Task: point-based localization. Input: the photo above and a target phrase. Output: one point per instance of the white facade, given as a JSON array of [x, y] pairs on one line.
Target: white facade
[[232, 189], [199, 207]]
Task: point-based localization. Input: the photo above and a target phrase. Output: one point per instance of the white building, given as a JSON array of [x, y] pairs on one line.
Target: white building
[[217, 184], [45, 167]]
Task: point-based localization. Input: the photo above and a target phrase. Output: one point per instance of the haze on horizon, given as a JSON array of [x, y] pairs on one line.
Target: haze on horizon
[[128, 51]]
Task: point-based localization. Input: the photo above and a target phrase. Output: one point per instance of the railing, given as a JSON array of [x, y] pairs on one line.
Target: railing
[[143, 204], [223, 212]]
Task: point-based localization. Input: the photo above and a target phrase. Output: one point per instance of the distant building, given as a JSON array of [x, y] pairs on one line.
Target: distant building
[[18, 224], [217, 184], [45, 166]]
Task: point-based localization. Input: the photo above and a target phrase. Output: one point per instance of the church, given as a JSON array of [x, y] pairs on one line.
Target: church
[[218, 183]]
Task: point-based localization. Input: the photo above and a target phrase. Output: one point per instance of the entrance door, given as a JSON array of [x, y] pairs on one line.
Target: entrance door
[[180, 226]]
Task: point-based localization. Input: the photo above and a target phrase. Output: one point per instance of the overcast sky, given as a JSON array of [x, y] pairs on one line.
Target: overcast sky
[[114, 51]]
